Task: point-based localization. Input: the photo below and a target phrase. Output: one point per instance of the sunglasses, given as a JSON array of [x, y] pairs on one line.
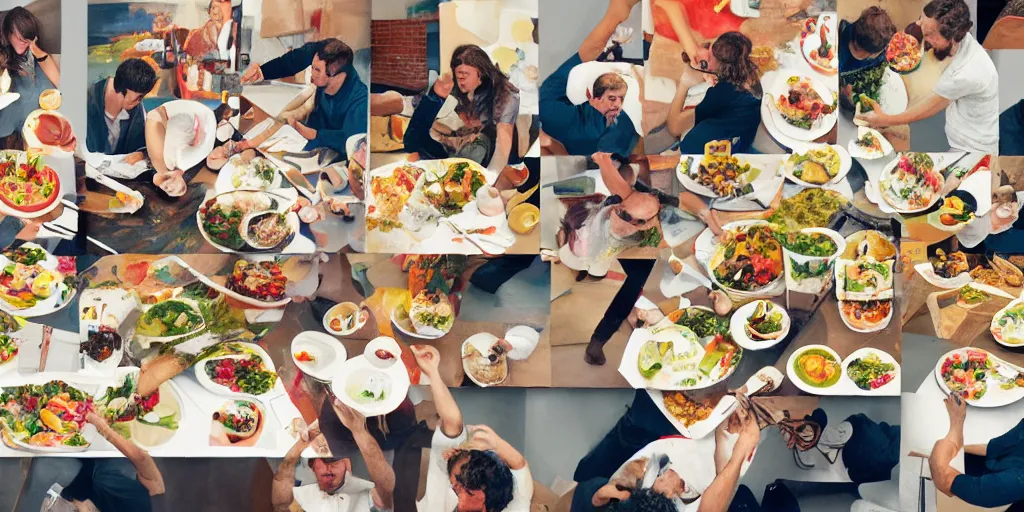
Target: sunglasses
[[626, 217], [703, 66]]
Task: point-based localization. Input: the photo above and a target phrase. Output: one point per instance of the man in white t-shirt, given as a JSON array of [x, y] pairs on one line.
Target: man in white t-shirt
[[336, 489], [968, 89], [471, 469]]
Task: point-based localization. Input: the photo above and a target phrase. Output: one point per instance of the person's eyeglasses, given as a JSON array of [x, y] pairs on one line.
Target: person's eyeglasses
[[626, 217]]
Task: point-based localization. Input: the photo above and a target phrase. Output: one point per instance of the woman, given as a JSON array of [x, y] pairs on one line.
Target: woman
[[731, 109], [488, 105], [31, 69]]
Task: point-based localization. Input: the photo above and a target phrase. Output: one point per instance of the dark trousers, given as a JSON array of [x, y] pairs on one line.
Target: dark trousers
[[642, 424], [777, 498], [491, 275], [111, 484], [417, 137], [637, 272]]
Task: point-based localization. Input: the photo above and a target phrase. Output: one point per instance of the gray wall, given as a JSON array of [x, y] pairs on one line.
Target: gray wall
[[73, 64], [565, 23]]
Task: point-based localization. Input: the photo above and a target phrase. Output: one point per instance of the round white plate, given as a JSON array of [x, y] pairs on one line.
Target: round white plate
[[859, 153], [283, 204], [483, 342], [737, 326], [997, 316], [399, 386], [224, 185], [845, 162], [994, 395], [769, 111], [200, 373], [329, 353], [327, 320], [883, 203], [32, 141], [879, 327], [406, 328], [893, 384], [803, 386]]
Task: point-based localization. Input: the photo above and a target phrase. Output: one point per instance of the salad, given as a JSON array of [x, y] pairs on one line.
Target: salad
[[8, 348], [169, 318], [1008, 326], [955, 211], [702, 322], [967, 375], [221, 223], [870, 372], [26, 255], [23, 286], [913, 184], [767, 322], [809, 244], [870, 143], [240, 370], [904, 52], [48, 415], [748, 258], [263, 280], [969, 296], [257, 174], [801, 105], [865, 276]]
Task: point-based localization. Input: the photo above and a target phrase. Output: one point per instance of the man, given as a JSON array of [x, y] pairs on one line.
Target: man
[[702, 480], [862, 46], [599, 125], [994, 472], [968, 89], [108, 484], [341, 98], [117, 119], [179, 135], [468, 473], [336, 488]]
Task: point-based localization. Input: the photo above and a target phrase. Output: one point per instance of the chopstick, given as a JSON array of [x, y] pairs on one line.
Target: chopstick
[[101, 245]]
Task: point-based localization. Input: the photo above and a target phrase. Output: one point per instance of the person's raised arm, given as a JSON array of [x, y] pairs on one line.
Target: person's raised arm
[[148, 474], [502, 146], [618, 12], [46, 63], [283, 487], [673, 9], [679, 120], [945, 449], [289, 64], [611, 177], [156, 132], [451, 417], [720, 493], [381, 473]]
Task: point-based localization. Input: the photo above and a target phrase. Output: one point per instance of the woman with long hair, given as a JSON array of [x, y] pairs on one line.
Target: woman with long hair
[[487, 104], [731, 109], [31, 69]]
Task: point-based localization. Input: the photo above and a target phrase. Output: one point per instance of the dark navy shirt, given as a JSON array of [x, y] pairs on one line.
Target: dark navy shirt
[[847, 62], [581, 128], [726, 113], [1003, 481], [335, 117], [133, 130]]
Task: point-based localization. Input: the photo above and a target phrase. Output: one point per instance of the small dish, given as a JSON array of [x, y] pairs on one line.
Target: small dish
[[382, 352]]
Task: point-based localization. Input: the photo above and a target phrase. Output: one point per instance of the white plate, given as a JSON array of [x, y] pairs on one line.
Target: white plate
[[994, 395], [770, 166], [882, 325], [32, 141], [891, 388], [879, 294], [738, 323], [704, 248], [892, 96], [483, 342], [996, 317], [224, 176], [630, 370], [6, 210], [399, 386], [859, 153], [805, 387], [200, 372], [819, 129], [725, 407], [845, 162], [812, 42], [406, 328], [327, 320], [888, 169], [297, 244], [928, 273], [329, 353]]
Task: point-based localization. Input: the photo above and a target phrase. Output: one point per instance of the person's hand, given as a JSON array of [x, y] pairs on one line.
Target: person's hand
[[252, 75], [427, 357], [607, 493], [875, 118], [750, 434], [483, 438], [603, 159], [308, 434], [172, 183], [134, 158], [349, 417], [95, 419], [956, 408], [690, 78], [443, 85], [37, 52], [306, 132]]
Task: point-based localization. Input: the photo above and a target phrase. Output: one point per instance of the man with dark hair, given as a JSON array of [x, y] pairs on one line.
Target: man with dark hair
[[117, 119], [968, 89], [599, 125], [862, 46], [341, 99], [336, 488], [471, 468], [645, 500]]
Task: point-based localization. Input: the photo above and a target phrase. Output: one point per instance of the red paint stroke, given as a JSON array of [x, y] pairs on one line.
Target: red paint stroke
[[136, 272], [316, 19], [702, 17]]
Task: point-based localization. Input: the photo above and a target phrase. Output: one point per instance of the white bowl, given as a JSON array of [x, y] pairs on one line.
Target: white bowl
[[382, 343], [344, 308], [328, 351]]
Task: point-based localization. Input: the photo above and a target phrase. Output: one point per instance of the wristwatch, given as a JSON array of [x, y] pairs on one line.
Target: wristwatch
[[43, 58]]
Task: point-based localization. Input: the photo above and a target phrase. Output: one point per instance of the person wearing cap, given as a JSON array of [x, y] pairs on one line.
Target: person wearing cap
[[179, 135], [600, 124], [686, 476], [993, 472], [110, 485], [117, 119], [336, 488], [471, 468], [340, 99]]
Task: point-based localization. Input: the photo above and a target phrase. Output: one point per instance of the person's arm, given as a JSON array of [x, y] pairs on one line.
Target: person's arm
[[719, 494], [291, 63], [48, 65], [611, 177], [976, 449], [428, 359], [502, 146], [282, 488], [680, 24], [939, 463], [678, 119], [618, 12], [156, 132], [928, 107], [381, 473], [990, 490], [148, 474]]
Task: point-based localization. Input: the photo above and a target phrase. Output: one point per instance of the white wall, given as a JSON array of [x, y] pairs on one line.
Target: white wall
[[74, 44], [1010, 64], [565, 23]]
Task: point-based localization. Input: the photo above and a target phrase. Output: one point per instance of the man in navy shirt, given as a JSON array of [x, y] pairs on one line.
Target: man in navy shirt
[[117, 119], [862, 46], [599, 125], [340, 106]]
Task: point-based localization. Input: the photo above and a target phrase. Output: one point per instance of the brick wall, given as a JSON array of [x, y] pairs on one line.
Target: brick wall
[[399, 53]]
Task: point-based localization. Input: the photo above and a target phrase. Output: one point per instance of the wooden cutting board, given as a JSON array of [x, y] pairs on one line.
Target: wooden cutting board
[[959, 324]]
